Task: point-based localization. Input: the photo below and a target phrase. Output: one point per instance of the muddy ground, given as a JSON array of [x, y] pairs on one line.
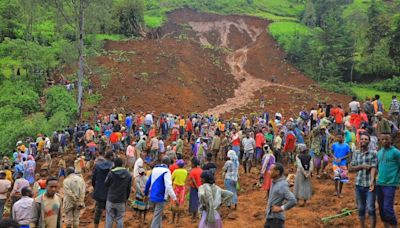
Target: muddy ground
[[220, 65]]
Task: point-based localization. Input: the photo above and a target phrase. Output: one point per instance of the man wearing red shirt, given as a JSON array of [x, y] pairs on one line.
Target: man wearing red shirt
[[260, 141], [235, 140], [114, 141], [338, 114], [189, 128]]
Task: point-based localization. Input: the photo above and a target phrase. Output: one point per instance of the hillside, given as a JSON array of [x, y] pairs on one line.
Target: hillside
[[205, 63]]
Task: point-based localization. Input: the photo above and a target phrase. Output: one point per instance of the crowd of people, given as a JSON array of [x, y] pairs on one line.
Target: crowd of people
[[170, 160]]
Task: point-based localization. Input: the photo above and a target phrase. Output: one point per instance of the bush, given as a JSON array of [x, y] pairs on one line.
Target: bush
[[57, 122], [388, 85], [59, 100], [130, 14], [338, 87], [10, 113], [19, 94]]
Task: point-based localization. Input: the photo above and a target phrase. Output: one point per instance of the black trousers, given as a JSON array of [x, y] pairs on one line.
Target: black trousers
[[274, 223]]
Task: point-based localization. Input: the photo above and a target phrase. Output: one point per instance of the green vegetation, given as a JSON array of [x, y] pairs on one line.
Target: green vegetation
[[59, 100], [153, 21], [388, 85], [113, 37], [276, 10], [285, 32], [344, 40], [21, 115], [362, 92]]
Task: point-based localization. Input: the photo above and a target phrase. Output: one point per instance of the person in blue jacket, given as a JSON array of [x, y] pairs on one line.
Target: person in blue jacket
[[158, 188]]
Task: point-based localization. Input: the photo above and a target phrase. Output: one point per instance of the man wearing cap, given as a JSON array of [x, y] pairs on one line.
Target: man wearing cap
[[382, 124], [159, 186]]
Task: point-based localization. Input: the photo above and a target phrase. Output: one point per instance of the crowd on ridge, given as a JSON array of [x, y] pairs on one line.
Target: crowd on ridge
[[150, 161]]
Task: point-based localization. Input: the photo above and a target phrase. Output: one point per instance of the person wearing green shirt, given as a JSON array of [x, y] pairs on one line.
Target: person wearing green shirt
[[388, 180]]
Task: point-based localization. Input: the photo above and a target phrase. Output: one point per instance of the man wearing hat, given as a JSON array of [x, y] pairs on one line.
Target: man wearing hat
[[159, 187]]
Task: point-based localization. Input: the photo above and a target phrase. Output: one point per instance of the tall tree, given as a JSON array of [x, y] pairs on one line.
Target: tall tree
[[378, 25], [74, 12], [394, 43]]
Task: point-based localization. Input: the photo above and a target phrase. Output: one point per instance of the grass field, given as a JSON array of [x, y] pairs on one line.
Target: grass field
[[113, 37], [386, 97], [274, 10], [284, 32]]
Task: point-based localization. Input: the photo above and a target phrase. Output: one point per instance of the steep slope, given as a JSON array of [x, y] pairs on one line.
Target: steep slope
[[205, 63]]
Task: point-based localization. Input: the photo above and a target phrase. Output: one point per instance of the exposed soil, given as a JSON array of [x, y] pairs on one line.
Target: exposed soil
[[204, 63], [221, 65]]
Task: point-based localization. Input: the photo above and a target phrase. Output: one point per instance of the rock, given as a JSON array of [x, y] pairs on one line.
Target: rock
[[232, 216], [259, 215]]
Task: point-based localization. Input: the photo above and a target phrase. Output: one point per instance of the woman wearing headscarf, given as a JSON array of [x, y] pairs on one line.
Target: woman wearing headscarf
[[211, 197], [231, 172], [29, 169], [302, 184], [140, 204]]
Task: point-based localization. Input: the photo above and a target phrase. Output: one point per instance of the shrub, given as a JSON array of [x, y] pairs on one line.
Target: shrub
[[388, 85], [58, 99], [19, 94]]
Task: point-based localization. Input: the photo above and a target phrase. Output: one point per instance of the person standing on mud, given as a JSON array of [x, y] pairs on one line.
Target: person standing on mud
[[235, 142], [159, 186], [341, 151], [119, 183], [279, 193], [46, 208], [249, 144], [101, 170], [211, 197], [319, 148], [74, 197], [364, 163], [231, 176], [388, 180]]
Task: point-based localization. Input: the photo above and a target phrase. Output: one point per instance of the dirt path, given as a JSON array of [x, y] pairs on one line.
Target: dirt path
[[248, 84]]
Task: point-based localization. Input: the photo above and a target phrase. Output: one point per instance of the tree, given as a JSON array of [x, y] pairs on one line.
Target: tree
[[334, 50], [73, 12], [9, 19], [378, 25], [309, 15], [131, 18], [394, 43]]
